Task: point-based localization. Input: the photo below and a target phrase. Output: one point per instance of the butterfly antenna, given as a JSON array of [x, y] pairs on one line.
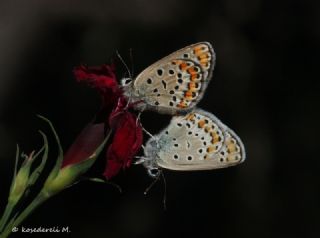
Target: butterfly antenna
[[165, 191], [115, 186], [124, 63], [151, 185], [131, 59], [84, 178]]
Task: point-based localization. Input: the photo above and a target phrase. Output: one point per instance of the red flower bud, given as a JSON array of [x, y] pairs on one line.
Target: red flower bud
[[86, 143]]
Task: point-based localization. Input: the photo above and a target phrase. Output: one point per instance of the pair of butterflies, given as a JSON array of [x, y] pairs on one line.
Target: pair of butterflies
[[194, 139]]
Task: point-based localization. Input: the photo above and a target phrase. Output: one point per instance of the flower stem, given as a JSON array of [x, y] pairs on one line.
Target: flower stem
[[32, 206], [6, 215]]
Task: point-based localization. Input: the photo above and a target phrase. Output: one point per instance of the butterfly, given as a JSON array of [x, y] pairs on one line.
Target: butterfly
[[175, 83], [195, 141]]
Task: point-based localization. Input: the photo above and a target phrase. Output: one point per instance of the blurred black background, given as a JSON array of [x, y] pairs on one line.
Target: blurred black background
[[265, 86]]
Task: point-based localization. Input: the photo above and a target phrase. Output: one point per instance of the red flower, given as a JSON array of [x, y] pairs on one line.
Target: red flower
[[128, 136], [103, 79], [127, 132]]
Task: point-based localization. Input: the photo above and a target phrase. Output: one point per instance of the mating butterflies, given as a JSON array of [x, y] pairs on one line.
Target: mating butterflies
[[175, 83], [196, 141]]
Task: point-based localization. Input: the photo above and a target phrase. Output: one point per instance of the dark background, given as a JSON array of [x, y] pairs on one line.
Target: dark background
[[265, 86]]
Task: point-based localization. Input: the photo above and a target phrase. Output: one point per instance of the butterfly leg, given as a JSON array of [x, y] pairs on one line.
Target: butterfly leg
[[147, 132], [139, 114], [156, 177], [165, 191], [128, 103], [144, 129], [140, 160], [138, 118]]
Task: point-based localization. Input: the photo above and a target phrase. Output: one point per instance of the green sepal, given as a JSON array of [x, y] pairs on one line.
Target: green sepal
[[36, 173], [15, 167], [69, 175], [20, 182], [58, 164]]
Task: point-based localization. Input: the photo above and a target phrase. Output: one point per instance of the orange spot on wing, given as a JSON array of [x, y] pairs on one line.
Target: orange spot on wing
[[203, 56], [232, 148], [200, 51], [215, 137], [192, 71], [201, 123], [191, 85], [198, 47], [183, 66], [205, 64], [191, 117], [210, 149], [188, 95], [204, 60], [182, 104], [194, 77]]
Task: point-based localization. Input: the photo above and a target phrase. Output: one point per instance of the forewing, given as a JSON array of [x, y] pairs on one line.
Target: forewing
[[178, 81]]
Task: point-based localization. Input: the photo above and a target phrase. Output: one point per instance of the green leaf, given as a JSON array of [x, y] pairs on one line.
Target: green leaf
[[36, 173]]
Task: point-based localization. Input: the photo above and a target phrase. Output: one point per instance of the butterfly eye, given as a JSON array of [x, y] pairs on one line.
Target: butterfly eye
[[154, 172], [126, 81]]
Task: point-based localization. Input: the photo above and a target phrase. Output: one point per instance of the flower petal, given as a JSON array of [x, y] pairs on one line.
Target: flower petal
[[114, 113], [103, 79], [126, 143], [100, 77], [85, 144]]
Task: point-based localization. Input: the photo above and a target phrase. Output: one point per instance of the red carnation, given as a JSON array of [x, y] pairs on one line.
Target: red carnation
[[128, 134]]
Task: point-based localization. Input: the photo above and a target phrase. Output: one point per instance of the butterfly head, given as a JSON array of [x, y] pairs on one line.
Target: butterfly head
[[126, 86], [151, 154], [125, 82]]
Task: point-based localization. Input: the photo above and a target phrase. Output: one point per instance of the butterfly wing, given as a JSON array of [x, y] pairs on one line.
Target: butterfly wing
[[176, 82], [198, 141]]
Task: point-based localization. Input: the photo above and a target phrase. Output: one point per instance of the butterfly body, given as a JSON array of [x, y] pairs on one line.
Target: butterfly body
[[196, 141], [175, 83]]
